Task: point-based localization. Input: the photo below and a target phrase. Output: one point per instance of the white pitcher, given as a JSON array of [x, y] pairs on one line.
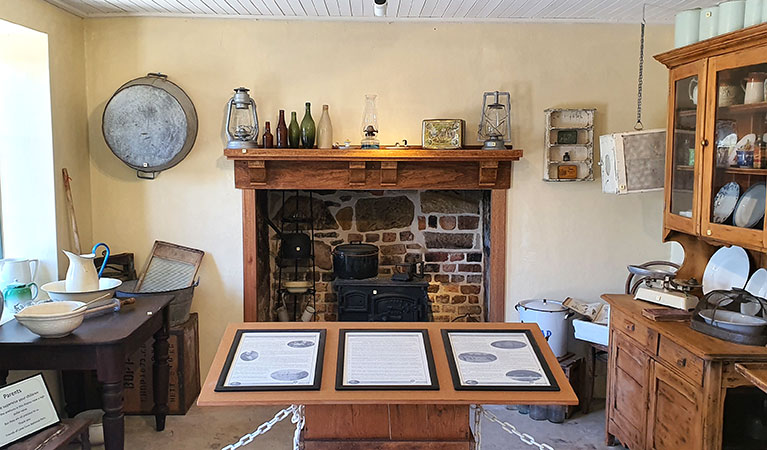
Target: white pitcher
[[81, 273], [17, 270]]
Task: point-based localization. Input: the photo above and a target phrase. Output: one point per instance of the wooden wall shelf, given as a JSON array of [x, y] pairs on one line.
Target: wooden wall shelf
[[386, 168]]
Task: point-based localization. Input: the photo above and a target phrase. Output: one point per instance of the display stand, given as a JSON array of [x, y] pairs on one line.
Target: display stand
[[387, 419]]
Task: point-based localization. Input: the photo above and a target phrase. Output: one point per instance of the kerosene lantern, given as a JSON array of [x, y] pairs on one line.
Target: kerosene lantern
[[242, 120], [495, 123]]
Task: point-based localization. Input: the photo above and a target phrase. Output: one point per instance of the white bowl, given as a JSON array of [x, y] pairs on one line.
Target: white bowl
[[96, 428], [297, 287], [57, 290], [52, 319]]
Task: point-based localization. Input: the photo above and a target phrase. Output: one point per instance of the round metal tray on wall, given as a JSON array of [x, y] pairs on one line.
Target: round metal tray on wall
[[150, 124]]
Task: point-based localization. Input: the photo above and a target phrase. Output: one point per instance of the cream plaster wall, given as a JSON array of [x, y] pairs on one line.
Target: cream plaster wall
[[70, 140], [565, 239]]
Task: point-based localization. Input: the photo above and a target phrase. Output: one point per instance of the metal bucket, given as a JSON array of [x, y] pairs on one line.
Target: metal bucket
[[180, 306]]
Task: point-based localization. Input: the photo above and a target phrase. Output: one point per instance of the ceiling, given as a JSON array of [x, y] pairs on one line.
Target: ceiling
[[624, 11]]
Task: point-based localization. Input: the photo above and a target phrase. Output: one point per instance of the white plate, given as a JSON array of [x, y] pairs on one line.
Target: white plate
[[728, 268], [750, 208], [747, 143], [757, 286], [725, 201]]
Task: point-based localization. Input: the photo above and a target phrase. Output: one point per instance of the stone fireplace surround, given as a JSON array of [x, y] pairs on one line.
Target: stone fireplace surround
[[446, 230], [257, 171]]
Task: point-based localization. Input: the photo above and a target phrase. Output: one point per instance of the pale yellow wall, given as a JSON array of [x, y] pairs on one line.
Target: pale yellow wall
[[70, 139], [566, 239]]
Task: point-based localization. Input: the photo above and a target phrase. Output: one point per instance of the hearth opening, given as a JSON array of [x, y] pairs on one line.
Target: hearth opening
[[432, 251]]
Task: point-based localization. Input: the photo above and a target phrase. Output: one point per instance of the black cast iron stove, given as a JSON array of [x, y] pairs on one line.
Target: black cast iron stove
[[382, 300]]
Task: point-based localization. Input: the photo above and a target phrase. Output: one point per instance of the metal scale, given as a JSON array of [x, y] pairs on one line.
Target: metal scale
[[661, 287]]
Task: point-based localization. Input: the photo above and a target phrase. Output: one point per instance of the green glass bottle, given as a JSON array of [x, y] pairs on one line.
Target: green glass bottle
[[294, 132], [308, 130]]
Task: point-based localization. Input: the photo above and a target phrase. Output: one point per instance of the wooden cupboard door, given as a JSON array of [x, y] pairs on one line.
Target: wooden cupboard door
[[685, 146], [675, 421], [735, 121], [629, 376]]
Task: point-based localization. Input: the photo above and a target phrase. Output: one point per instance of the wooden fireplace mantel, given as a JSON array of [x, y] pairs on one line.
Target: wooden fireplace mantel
[[257, 170], [386, 168]]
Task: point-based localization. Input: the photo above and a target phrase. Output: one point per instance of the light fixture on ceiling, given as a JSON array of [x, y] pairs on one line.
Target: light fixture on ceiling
[[379, 7]]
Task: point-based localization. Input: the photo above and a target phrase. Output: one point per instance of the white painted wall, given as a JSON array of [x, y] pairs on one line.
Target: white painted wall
[[565, 239]]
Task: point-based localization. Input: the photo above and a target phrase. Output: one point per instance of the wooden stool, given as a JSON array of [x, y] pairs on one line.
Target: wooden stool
[[57, 436]]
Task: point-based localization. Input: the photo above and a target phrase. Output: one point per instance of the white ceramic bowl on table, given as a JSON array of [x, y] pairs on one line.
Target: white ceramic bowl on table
[[52, 319], [57, 290]]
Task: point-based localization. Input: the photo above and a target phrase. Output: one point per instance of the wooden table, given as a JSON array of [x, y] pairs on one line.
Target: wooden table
[[100, 344], [387, 419]]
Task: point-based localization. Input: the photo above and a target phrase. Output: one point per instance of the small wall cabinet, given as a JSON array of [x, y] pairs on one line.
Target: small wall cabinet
[[710, 118], [569, 145]]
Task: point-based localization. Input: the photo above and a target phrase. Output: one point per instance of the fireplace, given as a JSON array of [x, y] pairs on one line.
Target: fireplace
[[461, 265], [447, 231]]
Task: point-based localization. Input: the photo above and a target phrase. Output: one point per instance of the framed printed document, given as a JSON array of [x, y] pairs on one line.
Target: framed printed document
[[273, 360], [490, 360], [385, 359], [25, 408]]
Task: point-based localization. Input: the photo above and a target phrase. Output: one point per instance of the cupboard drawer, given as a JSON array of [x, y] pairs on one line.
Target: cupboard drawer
[[634, 329], [681, 359]]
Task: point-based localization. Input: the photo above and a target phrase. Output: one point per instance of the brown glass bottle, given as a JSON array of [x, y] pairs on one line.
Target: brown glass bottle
[[282, 131], [268, 139]]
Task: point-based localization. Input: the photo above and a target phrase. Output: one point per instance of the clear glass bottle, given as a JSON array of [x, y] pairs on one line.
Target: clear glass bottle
[[325, 130], [370, 123]]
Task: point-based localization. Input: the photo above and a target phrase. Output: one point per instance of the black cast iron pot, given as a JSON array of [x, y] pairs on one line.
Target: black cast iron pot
[[355, 261]]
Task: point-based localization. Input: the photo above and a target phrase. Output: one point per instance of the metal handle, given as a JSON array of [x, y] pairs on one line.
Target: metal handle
[[146, 175], [704, 142], [708, 232]]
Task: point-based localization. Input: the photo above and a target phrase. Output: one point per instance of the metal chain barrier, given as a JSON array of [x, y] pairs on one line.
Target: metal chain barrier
[[477, 426], [509, 428], [297, 418]]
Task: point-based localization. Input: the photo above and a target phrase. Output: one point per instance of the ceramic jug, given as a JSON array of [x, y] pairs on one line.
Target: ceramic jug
[[753, 86], [81, 273], [692, 91], [17, 270], [18, 296]]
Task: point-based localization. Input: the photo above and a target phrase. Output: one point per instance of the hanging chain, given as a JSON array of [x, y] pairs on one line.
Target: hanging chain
[[639, 125], [298, 418], [477, 426], [511, 429]]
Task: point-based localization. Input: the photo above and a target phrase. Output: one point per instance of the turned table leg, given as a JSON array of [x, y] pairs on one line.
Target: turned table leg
[[161, 375], [114, 420]]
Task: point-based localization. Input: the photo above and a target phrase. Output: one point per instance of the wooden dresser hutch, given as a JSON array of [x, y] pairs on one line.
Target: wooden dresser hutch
[[670, 387]]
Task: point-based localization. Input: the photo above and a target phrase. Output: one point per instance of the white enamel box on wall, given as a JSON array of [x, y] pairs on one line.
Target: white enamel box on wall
[[633, 162]]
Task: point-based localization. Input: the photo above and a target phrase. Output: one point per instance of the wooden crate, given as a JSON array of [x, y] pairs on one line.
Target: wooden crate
[[184, 362]]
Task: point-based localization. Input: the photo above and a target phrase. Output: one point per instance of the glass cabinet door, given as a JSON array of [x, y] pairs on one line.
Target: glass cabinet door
[[686, 106], [734, 193]]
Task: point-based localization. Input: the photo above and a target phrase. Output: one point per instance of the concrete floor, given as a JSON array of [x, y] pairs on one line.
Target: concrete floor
[[213, 428]]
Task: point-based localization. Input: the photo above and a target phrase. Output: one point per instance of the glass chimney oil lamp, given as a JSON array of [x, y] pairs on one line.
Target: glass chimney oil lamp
[[242, 120], [495, 123], [370, 123]]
